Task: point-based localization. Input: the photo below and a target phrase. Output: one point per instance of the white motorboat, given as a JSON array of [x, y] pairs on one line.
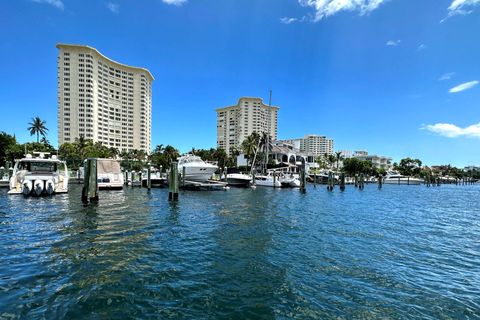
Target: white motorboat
[[196, 169], [237, 179], [109, 174], [397, 178], [289, 181], [267, 180], [39, 176], [4, 178]]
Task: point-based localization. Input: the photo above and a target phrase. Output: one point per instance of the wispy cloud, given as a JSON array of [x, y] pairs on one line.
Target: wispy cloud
[[287, 20], [460, 7], [175, 2], [446, 76], [393, 43], [113, 7], [326, 8], [55, 3], [422, 47], [452, 131], [463, 86]]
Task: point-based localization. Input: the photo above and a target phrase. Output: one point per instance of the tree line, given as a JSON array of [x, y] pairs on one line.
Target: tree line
[[255, 146]]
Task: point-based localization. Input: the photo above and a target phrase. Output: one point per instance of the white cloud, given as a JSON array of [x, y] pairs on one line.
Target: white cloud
[[287, 20], [446, 76], [175, 2], [464, 86], [55, 3], [113, 7], [421, 47], [460, 7], [393, 43], [326, 8], [461, 4], [453, 131]]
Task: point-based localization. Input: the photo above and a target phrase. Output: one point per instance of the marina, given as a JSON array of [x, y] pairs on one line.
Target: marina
[[396, 252]]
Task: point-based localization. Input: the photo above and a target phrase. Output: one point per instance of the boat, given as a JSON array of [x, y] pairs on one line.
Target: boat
[[396, 178], [235, 178], [4, 178], [267, 180], [289, 180], [196, 169], [109, 174], [39, 176], [156, 179]]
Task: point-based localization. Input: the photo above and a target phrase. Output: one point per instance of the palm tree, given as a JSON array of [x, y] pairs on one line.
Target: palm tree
[[249, 145], [37, 126], [339, 157]]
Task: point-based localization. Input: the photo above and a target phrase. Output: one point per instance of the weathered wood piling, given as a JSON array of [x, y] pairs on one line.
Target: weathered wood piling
[[149, 179], [342, 182], [303, 178], [331, 181], [173, 182], [90, 183]]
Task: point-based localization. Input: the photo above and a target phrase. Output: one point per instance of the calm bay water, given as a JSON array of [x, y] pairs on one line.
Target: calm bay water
[[400, 252]]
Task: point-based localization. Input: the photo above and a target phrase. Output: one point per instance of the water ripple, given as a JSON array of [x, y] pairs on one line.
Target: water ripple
[[399, 252]]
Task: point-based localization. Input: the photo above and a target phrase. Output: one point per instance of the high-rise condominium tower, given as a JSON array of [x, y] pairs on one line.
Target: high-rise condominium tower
[[235, 123], [103, 100]]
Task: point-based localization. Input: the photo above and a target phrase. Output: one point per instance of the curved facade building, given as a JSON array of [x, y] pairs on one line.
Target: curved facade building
[[103, 100]]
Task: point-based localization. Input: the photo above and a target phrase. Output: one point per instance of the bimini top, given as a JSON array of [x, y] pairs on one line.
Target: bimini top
[[65, 45]]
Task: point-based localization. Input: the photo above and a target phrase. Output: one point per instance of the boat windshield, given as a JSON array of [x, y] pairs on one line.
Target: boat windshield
[[38, 166]]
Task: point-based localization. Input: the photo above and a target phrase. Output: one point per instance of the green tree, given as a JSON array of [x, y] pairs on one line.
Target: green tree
[[6, 141], [409, 167], [353, 166], [37, 126], [250, 144]]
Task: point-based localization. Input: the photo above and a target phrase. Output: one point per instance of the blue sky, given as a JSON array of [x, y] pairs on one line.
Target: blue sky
[[395, 77]]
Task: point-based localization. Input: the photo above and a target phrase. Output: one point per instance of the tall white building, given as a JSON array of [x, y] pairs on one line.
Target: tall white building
[[235, 123], [103, 100], [315, 144]]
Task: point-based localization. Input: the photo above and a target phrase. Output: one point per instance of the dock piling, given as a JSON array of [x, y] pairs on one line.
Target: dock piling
[[173, 182], [149, 180], [90, 183], [342, 182], [303, 178]]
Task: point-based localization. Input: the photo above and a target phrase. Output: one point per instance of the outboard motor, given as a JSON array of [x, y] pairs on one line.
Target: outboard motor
[[27, 187], [38, 187], [50, 187]]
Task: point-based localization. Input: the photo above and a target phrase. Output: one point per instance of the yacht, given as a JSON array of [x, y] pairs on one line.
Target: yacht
[[267, 181], [109, 174], [237, 179], [196, 169], [397, 178], [39, 176]]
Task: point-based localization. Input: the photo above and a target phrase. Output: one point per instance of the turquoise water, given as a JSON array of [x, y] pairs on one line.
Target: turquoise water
[[399, 252]]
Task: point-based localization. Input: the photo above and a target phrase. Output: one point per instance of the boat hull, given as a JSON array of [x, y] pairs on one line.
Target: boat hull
[[197, 174], [403, 181], [238, 180]]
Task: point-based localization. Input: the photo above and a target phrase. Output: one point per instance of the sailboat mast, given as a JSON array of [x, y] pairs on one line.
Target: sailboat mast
[[268, 128]]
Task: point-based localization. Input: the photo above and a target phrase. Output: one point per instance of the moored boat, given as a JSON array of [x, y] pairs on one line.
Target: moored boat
[[109, 174], [196, 169], [39, 176], [396, 178], [237, 179]]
